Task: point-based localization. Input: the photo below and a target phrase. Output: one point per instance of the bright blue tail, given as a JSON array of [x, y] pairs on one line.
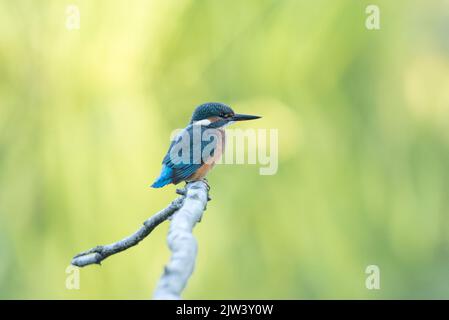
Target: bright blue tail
[[164, 178]]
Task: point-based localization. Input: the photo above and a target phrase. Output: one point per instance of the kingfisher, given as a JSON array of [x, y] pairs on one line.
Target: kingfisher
[[195, 150]]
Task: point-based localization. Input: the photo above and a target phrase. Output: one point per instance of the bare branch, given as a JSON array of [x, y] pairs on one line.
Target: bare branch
[[185, 211], [182, 243], [99, 253]]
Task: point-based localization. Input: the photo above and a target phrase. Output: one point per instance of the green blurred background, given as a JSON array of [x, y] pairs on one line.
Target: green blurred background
[[85, 118]]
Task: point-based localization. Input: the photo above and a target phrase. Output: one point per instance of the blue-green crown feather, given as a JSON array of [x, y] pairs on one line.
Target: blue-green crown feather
[[210, 109]]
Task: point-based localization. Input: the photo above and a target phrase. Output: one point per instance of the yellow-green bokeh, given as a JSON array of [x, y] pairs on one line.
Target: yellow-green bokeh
[[85, 117]]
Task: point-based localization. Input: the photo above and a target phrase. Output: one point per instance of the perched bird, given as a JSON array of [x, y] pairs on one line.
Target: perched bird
[[202, 143]]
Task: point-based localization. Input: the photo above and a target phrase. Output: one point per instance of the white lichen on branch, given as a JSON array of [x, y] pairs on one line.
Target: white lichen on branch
[[182, 243]]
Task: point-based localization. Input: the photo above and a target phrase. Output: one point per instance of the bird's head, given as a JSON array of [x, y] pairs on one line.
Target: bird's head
[[217, 115]]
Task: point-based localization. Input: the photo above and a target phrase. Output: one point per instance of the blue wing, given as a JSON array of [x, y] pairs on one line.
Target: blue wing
[[174, 170]]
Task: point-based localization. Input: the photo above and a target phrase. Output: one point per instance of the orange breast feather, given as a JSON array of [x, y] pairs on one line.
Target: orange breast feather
[[210, 163]]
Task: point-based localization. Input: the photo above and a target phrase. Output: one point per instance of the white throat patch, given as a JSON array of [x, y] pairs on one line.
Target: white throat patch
[[204, 122]]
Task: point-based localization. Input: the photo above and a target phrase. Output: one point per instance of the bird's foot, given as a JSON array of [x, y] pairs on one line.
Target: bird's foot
[[207, 184], [208, 188], [183, 191]]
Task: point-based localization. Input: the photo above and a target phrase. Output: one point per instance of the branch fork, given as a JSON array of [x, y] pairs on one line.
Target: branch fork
[[184, 212]]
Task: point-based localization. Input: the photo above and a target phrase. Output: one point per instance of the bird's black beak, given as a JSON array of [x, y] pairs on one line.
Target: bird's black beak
[[243, 117]]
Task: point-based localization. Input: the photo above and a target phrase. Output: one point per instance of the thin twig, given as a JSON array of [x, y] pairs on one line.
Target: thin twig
[[99, 253]]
